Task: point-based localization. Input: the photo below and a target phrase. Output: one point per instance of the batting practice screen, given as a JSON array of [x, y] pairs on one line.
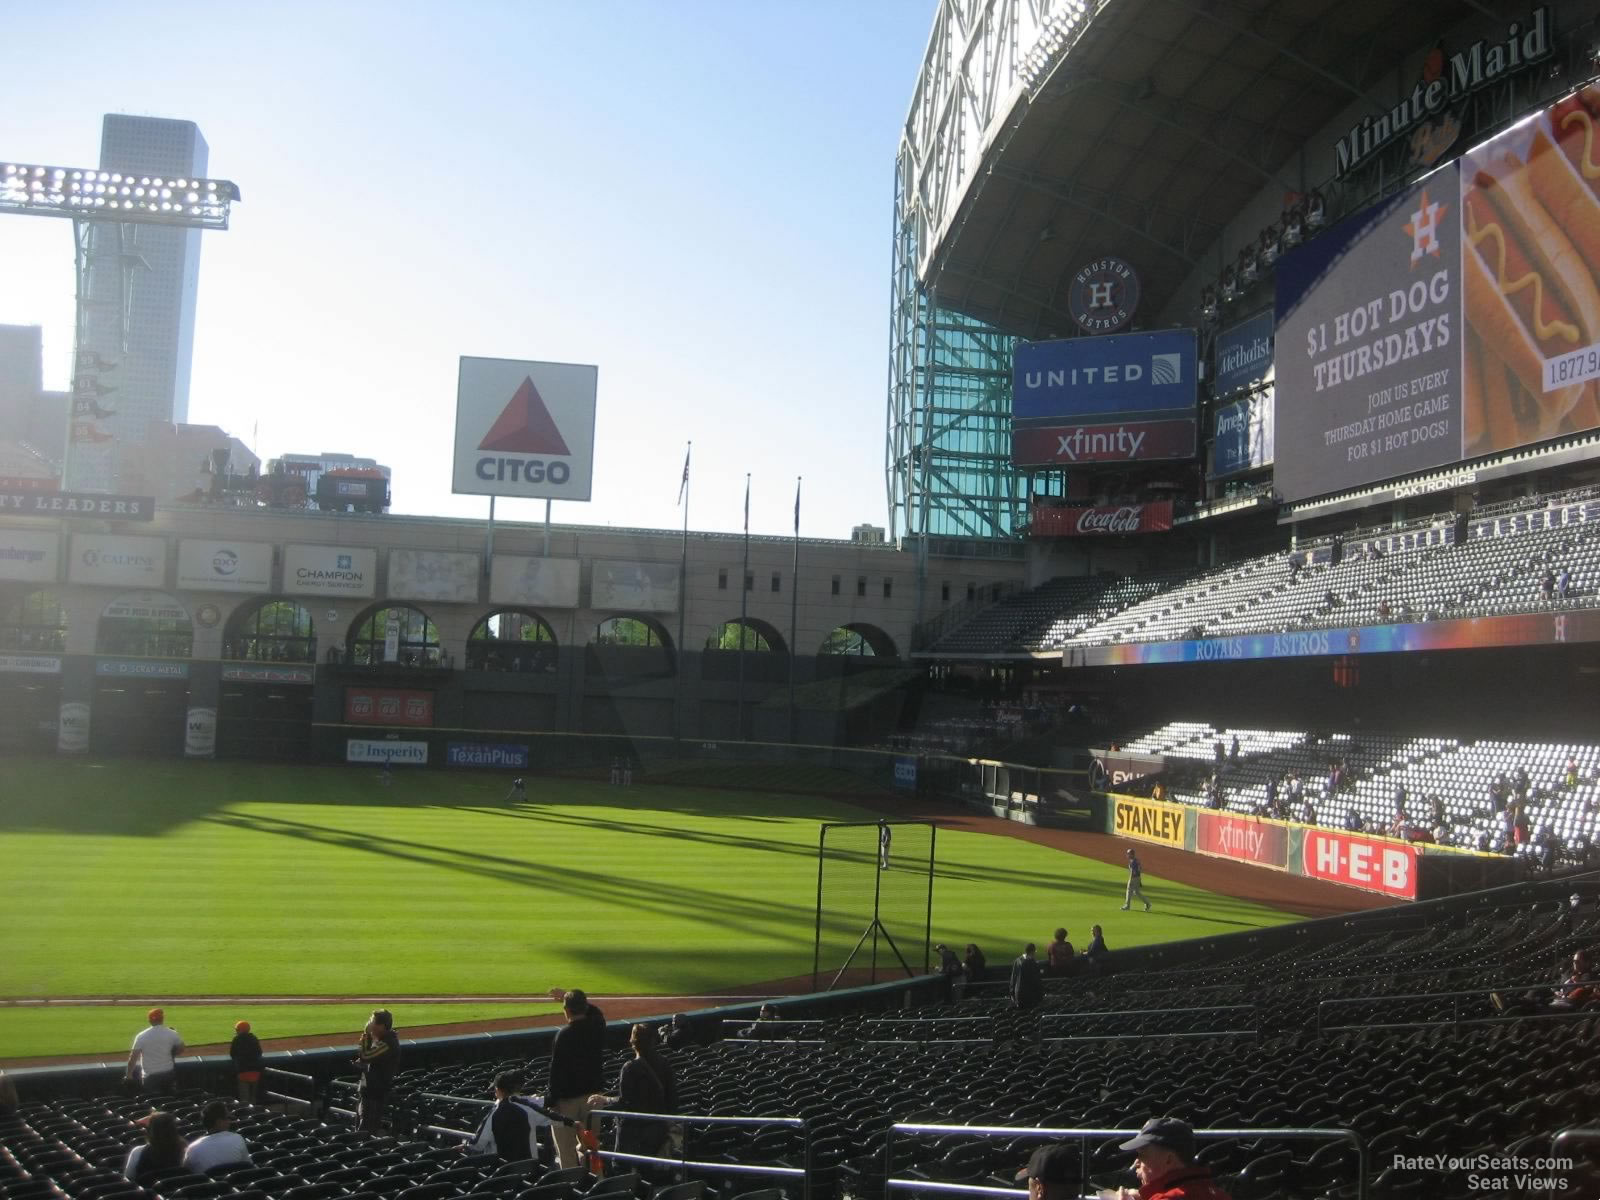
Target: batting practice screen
[[874, 901]]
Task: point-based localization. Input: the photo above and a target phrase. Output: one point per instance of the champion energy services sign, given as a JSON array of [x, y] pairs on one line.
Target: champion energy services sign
[[524, 429], [330, 571]]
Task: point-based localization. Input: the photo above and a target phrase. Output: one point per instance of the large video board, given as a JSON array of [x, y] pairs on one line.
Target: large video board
[[1457, 319], [1127, 398]]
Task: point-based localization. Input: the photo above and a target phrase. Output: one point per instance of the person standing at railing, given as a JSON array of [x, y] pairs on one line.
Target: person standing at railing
[[576, 1059], [1027, 979], [378, 1056], [245, 1050], [647, 1084]]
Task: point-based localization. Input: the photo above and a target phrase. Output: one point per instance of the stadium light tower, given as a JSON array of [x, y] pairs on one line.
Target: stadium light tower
[[113, 200]]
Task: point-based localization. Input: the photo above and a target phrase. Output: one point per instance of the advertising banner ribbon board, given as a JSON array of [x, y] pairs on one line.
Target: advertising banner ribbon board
[[1371, 864], [486, 754], [1265, 843], [30, 503], [524, 429], [387, 706], [1459, 319], [1149, 820], [1244, 354], [379, 751], [1107, 521]]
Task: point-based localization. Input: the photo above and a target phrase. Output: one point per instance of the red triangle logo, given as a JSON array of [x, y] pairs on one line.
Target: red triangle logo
[[525, 427]]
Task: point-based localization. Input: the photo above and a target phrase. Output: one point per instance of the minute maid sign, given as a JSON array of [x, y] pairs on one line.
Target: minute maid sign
[[524, 429]]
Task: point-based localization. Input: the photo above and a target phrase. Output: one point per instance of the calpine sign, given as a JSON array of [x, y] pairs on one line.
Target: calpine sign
[[1127, 398], [524, 429]]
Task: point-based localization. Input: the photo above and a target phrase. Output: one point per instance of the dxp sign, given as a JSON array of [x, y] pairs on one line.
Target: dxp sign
[[524, 429]]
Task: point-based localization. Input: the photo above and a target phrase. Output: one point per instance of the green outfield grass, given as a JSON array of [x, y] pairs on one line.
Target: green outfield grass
[[173, 880]]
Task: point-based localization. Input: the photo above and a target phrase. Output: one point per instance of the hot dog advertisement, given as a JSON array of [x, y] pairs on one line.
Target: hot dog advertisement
[[1458, 319]]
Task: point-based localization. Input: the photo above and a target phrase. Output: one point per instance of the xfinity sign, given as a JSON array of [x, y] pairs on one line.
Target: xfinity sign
[[524, 429]]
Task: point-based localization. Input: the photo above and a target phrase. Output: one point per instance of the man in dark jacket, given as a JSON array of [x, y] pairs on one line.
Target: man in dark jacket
[[1027, 979], [507, 1132], [575, 1071], [378, 1056], [245, 1050]]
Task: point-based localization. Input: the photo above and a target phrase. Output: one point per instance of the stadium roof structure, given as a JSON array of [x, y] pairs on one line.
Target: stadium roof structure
[[1150, 126], [1044, 134]]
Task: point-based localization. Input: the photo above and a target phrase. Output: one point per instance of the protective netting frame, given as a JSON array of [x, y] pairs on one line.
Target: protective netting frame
[[907, 871]]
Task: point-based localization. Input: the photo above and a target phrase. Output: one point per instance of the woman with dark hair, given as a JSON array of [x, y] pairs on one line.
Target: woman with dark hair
[[162, 1149], [646, 1085]]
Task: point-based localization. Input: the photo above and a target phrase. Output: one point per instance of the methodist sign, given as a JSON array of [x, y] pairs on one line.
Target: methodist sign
[[1128, 398], [524, 429]]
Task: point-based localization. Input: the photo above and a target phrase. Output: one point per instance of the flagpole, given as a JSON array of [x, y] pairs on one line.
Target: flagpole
[[683, 582], [794, 603], [744, 601]]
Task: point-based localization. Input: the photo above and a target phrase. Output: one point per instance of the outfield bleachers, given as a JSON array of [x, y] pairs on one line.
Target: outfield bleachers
[[1457, 771]]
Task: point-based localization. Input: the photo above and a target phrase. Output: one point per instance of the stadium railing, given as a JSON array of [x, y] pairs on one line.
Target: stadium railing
[[891, 1183], [683, 1162]]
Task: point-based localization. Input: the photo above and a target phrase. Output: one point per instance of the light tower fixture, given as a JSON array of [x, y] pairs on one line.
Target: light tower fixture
[[34, 189], [91, 198]]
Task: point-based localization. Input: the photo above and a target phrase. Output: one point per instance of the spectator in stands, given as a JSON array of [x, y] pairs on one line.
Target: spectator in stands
[[1233, 749], [154, 1054], [646, 1085], [1135, 880], [1060, 956], [378, 1057], [245, 1050], [1546, 848], [975, 965], [1164, 1162], [949, 964], [1027, 979], [1214, 791], [8, 1098], [1570, 778], [575, 1071], [1564, 582], [220, 1146], [1052, 1172], [162, 1149], [1520, 783], [765, 1026], [1521, 825], [1096, 950], [1575, 987], [1308, 812], [1353, 821], [1219, 752], [1547, 585], [1270, 800], [681, 1033], [509, 1129], [1297, 789]]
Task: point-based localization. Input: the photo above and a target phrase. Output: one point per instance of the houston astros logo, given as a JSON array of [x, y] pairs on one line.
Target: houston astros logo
[[525, 426], [1424, 228], [1103, 295]]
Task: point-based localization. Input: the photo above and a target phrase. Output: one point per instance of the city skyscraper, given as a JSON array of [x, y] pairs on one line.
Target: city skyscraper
[[143, 283]]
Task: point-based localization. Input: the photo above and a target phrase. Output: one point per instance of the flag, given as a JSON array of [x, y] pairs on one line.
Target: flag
[[747, 504], [797, 506], [683, 487]]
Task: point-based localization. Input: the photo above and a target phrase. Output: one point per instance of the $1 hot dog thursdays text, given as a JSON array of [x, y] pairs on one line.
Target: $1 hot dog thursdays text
[[1365, 340]]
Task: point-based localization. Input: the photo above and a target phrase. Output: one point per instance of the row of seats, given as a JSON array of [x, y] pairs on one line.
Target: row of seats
[[1417, 573]]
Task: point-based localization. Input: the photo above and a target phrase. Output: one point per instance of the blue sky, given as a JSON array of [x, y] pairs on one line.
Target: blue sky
[[695, 196]]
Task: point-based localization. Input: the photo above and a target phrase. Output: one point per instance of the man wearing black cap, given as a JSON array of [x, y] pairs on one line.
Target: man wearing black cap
[[1052, 1172], [1164, 1162]]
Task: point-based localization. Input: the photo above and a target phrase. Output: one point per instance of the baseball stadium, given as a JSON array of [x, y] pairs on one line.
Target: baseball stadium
[[1193, 791]]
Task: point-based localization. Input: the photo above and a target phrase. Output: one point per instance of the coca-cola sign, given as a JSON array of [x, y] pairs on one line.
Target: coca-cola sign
[[1115, 520]]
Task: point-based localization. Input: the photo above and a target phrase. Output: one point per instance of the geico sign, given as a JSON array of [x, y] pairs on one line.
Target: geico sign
[[1150, 821], [1375, 866]]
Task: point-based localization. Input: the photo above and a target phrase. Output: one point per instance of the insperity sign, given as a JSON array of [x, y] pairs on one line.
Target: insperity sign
[[524, 429]]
